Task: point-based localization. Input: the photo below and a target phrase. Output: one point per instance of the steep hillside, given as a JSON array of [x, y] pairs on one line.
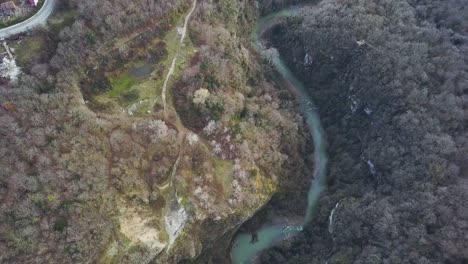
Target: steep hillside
[[390, 80], [96, 169]]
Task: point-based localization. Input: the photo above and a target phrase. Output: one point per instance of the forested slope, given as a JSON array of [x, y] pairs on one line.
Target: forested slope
[[390, 79], [83, 180]]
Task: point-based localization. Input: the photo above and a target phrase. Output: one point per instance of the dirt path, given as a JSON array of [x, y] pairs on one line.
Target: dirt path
[[174, 61]]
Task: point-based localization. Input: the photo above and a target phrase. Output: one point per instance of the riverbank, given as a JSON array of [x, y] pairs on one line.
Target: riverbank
[[369, 67], [243, 250]]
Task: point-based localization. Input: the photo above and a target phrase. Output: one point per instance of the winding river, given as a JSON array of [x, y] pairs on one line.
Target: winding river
[[243, 251]]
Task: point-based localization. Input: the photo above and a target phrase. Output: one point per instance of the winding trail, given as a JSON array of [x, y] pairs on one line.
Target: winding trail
[[37, 19], [174, 60], [243, 251]]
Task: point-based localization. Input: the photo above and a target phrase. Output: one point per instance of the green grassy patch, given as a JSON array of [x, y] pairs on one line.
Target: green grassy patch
[[151, 88], [29, 49], [121, 84], [130, 84], [184, 53]]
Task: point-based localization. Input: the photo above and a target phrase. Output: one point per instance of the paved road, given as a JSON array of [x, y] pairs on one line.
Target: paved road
[[38, 19]]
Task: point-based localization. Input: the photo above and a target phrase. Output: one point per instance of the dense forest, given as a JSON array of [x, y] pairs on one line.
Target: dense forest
[[391, 82], [84, 180]]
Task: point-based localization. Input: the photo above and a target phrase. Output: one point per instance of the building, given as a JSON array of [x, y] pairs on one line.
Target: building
[[8, 8]]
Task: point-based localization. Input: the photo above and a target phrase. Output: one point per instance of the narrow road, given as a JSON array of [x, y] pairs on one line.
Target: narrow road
[[38, 19]]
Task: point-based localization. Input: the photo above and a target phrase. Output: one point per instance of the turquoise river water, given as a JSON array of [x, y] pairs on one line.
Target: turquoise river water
[[243, 251]]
